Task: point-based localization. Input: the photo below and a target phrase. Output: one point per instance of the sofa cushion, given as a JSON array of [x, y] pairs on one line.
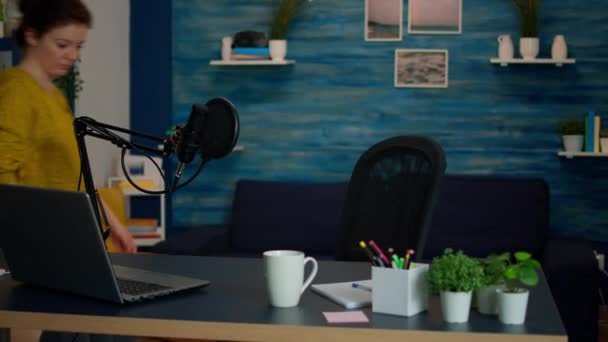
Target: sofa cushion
[[286, 215], [489, 214]]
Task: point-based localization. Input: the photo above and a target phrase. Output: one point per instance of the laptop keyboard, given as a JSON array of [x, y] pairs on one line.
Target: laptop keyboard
[[134, 288]]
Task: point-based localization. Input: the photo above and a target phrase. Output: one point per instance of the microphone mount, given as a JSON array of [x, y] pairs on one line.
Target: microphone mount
[[217, 132]]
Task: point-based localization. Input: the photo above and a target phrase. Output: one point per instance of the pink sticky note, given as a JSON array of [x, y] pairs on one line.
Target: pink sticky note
[[346, 317]]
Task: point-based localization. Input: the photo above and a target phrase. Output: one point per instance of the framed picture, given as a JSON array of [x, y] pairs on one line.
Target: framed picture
[[383, 20], [435, 17], [421, 68]]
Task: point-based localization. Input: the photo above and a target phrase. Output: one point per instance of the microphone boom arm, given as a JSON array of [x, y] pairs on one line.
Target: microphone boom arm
[[84, 126]]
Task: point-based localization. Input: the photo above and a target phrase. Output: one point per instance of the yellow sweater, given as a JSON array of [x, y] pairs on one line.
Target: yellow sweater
[[37, 143]]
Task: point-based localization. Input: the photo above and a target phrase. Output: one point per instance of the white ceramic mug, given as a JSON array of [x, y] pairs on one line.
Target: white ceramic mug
[[284, 271]]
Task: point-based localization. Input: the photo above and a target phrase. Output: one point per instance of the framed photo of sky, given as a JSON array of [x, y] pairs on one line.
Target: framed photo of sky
[[383, 20], [434, 17]]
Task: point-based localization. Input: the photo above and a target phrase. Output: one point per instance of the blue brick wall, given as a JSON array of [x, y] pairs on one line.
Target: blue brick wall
[[312, 120]]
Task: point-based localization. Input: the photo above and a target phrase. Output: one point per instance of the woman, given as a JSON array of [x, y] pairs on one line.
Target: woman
[[37, 143]]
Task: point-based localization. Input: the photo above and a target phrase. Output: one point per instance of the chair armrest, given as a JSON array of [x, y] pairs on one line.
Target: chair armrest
[[572, 274], [203, 240]]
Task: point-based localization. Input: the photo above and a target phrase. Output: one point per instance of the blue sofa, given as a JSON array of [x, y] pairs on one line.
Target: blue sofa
[[478, 214]]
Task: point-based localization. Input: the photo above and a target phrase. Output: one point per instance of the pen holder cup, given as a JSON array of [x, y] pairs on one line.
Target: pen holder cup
[[398, 291]]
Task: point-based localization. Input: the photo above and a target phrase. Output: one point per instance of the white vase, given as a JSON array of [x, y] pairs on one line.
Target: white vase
[[604, 145], [277, 49], [528, 47], [455, 306], [486, 300], [505, 47], [512, 306], [559, 48], [226, 48], [572, 143]]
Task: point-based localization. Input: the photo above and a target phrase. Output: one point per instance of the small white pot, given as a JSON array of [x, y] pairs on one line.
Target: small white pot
[[455, 306], [512, 306], [528, 47], [486, 300], [277, 49], [604, 145], [572, 143]]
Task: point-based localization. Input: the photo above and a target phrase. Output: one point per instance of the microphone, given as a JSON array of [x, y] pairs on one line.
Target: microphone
[[212, 130], [188, 137]]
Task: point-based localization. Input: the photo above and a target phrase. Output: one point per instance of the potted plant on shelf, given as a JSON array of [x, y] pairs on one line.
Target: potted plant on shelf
[[572, 132], [604, 140], [493, 267], [528, 42], [284, 13], [513, 297], [454, 276]]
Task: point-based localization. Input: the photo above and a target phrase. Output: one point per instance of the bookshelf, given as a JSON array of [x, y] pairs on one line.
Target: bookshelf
[[147, 235]]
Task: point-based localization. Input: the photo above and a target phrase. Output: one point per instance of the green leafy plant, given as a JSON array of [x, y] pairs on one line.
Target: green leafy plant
[[528, 11], [70, 84], [521, 272], [284, 13], [2, 7], [493, 267], [455, 272], [572, 127]]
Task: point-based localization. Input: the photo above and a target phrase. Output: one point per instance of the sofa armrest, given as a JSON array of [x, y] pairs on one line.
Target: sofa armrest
[[203, 240], [572, 274]]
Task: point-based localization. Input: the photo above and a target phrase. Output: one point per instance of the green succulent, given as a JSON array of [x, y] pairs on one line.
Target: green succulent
[[455, 272], [493, 267], [521, 273], [572, 127]]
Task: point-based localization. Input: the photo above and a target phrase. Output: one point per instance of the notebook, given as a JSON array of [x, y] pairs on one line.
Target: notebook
[[51, 238], [345, 294]]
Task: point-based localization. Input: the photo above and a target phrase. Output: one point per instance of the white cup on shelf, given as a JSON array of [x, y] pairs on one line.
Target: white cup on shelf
[[226, 48]]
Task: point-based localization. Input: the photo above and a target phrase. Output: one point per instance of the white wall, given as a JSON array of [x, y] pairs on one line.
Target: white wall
[[105, 71]]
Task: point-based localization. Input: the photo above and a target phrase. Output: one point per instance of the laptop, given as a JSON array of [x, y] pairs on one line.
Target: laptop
[[51, 238]]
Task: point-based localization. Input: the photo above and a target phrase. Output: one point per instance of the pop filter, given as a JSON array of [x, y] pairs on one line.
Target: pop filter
[[220, 132]]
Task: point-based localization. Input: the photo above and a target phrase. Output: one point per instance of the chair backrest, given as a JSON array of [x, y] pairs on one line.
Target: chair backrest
[[390, 196]]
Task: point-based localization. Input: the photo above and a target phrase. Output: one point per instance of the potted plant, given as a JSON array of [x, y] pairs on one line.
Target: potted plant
[[2, 16], [604, 140], [528, 42], [284, 13], [493, 267], [572, 132], [518, 276], [70, 84], [454, 276]]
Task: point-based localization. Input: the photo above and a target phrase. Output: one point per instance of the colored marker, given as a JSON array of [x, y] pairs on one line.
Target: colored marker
[[410, 252], [379, 252], [362, 287], [397, 261], [369, 253]]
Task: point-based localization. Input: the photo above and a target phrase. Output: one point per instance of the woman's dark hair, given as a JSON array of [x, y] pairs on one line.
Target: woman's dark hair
[[44, 15]]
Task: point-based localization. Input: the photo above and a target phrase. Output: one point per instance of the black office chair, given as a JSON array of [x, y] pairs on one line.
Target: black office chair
[[390, 196]]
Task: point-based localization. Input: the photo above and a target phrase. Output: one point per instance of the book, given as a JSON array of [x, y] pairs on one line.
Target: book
[[596, 134], [345, 294], [263, 51], [249, 57]]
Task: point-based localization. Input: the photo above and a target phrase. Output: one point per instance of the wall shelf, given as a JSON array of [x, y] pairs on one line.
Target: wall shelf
[[251, 62], [557, 62], [570, 155]]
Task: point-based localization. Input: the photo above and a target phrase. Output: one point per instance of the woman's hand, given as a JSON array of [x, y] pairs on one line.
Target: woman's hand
[[121, 238]]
